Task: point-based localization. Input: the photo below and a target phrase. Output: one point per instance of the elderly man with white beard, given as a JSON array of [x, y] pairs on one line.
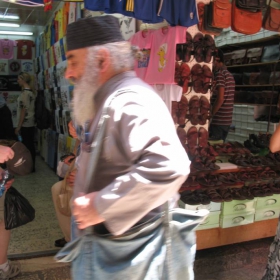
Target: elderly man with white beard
[[141, 166]]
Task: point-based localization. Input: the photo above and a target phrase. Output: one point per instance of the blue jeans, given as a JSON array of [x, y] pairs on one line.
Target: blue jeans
[[218, 132]]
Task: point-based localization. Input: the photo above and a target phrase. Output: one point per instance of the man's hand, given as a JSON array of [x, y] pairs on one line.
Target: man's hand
[[6, 153], [9, 184], [72, 130], [71, 178], [84, 211], [17, 130]]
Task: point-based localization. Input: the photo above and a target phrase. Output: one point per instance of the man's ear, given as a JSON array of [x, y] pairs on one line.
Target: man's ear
[[104, 60]]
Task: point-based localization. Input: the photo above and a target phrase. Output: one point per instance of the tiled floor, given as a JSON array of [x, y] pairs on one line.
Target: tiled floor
[[39, 235]]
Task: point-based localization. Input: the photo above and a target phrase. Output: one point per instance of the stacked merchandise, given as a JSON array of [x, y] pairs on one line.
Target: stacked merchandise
[[50, 65], [15, 57]]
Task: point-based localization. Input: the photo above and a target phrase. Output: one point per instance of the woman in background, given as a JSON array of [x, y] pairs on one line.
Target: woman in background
[[26, 114]]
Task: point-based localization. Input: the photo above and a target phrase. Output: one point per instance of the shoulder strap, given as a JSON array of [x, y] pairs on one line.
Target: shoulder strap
[[98, 135]]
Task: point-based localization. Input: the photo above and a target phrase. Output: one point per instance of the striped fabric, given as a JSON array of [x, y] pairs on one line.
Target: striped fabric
[[130, 5], [224, 79]]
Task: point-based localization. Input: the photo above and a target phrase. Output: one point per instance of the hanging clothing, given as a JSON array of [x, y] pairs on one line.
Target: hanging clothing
[[7, 49], [181, 12], [143, 40], [169, 93], [161, 68]]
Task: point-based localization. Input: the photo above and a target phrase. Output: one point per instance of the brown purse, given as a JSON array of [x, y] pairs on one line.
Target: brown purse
[[254, 55], [238, 57], [274, 78], [245, 21], [207, 22], [254, 78], [221, 13], [271, 20]]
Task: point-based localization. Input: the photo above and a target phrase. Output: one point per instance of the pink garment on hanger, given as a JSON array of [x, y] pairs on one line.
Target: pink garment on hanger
[[161, 68], [7, 49], [169, 93], [143, 40]]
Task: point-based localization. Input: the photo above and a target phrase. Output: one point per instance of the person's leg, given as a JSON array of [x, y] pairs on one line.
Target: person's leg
[[7, 269], [4, 234], [225, 131], [28, 134], [215, 132], [63, 221]]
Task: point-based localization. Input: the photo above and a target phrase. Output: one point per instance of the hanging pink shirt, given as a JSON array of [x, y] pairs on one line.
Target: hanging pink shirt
[[143, 40], [161, 68], [7, 49]]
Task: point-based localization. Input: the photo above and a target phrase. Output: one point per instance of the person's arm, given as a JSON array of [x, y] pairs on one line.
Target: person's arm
[[219, 101], [274, 144], [6, 153], [21, 119]]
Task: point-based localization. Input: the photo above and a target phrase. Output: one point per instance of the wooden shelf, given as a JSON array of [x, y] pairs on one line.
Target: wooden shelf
[[269, 85], [254, 64], [253, 104], [228, 167], [215, 237]]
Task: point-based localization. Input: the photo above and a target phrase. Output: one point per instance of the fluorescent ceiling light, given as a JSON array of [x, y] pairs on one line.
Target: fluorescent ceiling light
[[9, 17], [16, 33], [9, 24]]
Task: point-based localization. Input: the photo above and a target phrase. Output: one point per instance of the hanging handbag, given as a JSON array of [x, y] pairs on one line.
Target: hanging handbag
[[17, 209], [245, 21], [63, 200], [207, 22], [264, 78], [170, 235], [253, 55], [221, 17], [274, 78], [271, 20], [251, 4], [270, 53], [238, 57]]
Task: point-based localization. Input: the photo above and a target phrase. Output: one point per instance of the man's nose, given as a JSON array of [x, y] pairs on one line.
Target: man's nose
[[68, 73]]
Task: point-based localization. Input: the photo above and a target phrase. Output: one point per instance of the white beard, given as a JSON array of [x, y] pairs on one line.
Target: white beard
[[84, 91]]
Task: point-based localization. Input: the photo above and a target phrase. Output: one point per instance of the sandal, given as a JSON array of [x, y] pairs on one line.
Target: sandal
[[182, 110], [174, 111], [214, 196], [182, 134], [198, 47], [188, 48], [209, 47], [225, 194], [185, 76], [237, 194], [204, 105], [203, 137], [192, 136]]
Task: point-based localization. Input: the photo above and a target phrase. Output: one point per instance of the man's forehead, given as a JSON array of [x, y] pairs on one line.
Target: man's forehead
[[76, 53]]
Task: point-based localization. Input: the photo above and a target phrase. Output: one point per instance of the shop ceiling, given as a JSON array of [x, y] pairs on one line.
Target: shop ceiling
[[28, 16]]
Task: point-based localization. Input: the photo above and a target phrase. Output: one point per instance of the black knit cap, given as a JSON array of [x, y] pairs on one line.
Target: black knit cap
[[94, 31]]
